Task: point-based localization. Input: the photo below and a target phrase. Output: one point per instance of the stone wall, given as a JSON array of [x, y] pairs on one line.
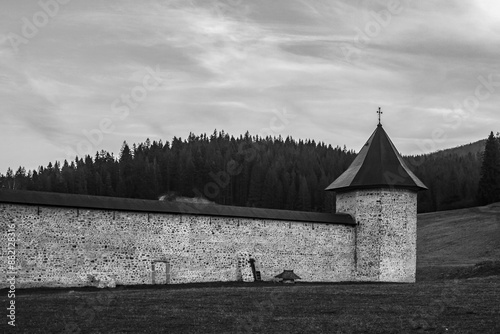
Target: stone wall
[[385, 234], [59, 246]]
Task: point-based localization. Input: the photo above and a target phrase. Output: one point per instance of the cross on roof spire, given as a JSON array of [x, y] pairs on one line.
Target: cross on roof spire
[[379, 112]]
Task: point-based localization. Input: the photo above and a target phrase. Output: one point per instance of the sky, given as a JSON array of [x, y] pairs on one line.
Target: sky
[[81, 76]]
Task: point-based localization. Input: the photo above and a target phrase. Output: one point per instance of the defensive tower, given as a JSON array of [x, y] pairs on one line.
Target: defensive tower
[[380, 192]]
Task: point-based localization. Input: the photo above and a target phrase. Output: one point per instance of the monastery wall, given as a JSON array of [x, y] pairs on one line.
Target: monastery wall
[[61, 246]]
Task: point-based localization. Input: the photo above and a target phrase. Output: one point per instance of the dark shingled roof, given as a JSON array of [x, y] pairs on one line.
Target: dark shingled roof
[[139, 205], [378, 164]]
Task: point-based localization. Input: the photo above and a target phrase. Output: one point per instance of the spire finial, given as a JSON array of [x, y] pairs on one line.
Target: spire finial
[[379, 112]]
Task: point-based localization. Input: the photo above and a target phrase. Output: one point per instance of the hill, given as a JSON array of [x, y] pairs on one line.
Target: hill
[[452, 176], [462, 150], [450, 242]]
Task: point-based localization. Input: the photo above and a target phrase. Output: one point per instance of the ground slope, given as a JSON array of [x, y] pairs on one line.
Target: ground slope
[[450, 243], [459, 237]]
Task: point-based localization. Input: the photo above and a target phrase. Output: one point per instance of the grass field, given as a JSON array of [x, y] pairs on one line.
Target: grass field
[[459, 237], [465, 306], [452, 295], [451, 241]]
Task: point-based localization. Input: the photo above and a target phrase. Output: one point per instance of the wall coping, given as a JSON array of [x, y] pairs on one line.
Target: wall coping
[[149, 206]]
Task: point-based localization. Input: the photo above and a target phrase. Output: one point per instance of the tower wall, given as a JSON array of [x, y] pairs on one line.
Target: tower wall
[[385, 233]]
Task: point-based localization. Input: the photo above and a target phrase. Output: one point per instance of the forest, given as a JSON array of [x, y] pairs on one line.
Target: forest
[[270, 172]]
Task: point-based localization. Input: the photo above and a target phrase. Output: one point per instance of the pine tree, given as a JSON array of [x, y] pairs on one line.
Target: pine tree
[[9, 178], [256, 184], [270, 191], [125, 183], [489, 183], [304, 200], [20, 180]]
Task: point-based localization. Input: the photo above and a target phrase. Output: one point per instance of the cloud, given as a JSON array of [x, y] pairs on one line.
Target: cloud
[[229, 64]]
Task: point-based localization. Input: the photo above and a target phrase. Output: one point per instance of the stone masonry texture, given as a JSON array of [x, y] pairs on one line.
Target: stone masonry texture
[[61, 246], [385, 234]]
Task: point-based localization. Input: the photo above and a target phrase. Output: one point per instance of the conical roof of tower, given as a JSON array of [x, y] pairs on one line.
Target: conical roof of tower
[[378, 164]]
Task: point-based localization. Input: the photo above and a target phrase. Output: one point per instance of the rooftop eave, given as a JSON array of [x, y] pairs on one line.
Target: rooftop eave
[[375, 186], [152, 206]]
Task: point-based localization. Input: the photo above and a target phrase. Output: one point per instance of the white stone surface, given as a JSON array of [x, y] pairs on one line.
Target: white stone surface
[[386, 233], [61, 246], [58, 246]]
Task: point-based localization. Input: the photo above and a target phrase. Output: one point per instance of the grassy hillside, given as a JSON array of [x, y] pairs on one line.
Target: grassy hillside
[[459, 237], [450, 243]]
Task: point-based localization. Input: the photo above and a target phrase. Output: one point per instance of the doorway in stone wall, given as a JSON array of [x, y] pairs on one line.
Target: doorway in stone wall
[[160, 272]]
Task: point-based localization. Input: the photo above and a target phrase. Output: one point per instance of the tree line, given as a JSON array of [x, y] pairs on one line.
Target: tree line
[[267, 172], [489, 182]]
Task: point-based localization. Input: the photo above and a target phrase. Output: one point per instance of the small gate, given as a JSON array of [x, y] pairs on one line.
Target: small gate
[[160, 272]]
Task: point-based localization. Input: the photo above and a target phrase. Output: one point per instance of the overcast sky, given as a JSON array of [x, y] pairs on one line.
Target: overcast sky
[[82, 76]]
